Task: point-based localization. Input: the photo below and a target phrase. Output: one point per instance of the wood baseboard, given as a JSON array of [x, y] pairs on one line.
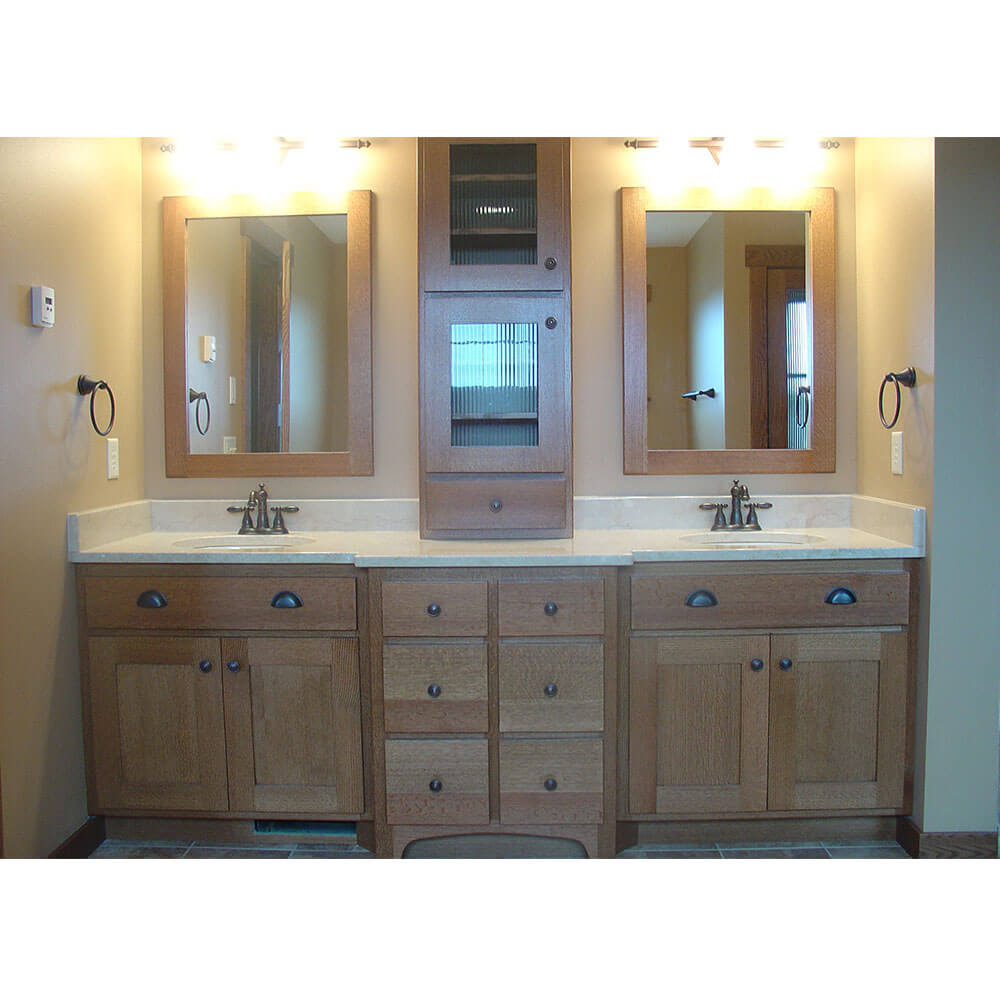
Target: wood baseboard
[[919, 844], [84, 841]]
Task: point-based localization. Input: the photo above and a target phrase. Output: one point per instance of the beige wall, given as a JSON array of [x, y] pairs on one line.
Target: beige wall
[[69, 218]]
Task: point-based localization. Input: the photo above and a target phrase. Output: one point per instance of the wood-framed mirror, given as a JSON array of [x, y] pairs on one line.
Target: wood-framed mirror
[[729, 332], [267, 335]]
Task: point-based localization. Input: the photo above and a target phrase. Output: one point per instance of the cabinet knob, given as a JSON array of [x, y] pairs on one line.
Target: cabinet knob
[[151, 599], [205, 666], [785, 663], [550, 690], [550, 263], [496, 506], [756, 665], [551, 322], [433, 610], [435, 785], [233, 666], [550, 784], [434, 690], [551, 608]]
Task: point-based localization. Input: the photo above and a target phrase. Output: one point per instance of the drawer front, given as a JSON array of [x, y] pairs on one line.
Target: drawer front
[[244, 603], [551, 687], [458, 768], [557, 607], [551, 780], [431, 608], [537, 504], [435, 688], [771, 600]]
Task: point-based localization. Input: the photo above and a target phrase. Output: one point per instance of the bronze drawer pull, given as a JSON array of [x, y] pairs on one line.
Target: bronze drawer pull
[[550, 263], [551, 608], [550, 690], [151, 599], [233, 666], [433, 610], [496, 506], [550, 784], [205, 666], [756, 665], [701, 599], [841, 595], [785, 663], [434, 690], [286, 599], [435, 785]]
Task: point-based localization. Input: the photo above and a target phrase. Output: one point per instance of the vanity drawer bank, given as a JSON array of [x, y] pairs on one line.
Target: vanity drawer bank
[[225, 692]]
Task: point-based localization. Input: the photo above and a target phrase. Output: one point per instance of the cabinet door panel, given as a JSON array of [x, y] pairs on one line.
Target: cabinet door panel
[[697, 724], [293, 724], [838, 720], [158, 734]]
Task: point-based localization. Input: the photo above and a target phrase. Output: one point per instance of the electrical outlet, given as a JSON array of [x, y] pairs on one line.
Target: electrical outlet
[[228, 444], [113, 470], [897, 453]]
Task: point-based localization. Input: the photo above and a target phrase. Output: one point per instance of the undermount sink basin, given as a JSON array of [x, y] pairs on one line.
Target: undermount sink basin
[[245, 543], [752, 539]]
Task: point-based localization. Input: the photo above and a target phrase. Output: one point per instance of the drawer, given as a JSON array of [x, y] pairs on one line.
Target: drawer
[[435, 687], [472, 505], [458, 768], [769, 600], [551, 780], [430, 608], [214, 602], [556, 607], [552, 687]]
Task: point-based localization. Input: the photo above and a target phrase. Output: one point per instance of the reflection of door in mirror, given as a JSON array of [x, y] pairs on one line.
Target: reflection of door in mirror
[[704, 360]]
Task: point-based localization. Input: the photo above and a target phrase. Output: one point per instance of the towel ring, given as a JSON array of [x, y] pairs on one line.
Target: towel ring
[[88, 387], [201, 397], [699, 392], [803, 393], [907, 377]]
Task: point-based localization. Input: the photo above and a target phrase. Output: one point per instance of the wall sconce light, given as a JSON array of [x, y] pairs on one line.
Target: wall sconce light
[[715, 144]]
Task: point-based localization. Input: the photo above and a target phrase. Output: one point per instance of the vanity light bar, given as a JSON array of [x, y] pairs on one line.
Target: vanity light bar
[[282, 144], [714, 144]]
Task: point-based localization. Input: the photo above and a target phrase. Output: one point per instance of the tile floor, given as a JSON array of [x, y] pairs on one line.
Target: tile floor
[[876, 850]]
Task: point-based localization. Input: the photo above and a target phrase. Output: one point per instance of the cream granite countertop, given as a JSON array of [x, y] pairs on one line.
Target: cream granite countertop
[[610, 531]]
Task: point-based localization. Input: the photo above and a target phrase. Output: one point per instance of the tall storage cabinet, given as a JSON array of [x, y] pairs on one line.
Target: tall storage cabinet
[[495, 388]]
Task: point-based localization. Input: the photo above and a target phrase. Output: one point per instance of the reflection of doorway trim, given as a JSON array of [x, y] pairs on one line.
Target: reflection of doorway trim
[[759, 259]]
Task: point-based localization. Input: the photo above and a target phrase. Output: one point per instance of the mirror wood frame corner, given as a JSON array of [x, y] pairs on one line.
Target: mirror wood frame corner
[[358, 460], [638, 458]]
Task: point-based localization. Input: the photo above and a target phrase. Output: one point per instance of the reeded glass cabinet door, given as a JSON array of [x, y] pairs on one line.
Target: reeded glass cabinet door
[[494, 384], [492, 215]]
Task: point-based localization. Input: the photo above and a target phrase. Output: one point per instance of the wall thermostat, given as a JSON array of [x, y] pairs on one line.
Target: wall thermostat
[[43, 306]]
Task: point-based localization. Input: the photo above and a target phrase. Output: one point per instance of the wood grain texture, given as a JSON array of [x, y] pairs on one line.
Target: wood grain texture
[[462, 767], [577, 767], [358, 460], [457, 506], [919, 844], [462, 606], [458, 670], [636, 415], [579, 607]]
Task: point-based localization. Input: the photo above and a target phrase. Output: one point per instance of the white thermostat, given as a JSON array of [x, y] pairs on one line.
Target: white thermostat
[[43, 306]]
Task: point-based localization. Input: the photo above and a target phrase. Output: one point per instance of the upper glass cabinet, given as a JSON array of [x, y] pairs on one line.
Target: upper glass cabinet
[[493, 215]]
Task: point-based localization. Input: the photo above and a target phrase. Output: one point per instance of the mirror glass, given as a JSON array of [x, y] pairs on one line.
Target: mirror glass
[[267, 334], [729, 345]]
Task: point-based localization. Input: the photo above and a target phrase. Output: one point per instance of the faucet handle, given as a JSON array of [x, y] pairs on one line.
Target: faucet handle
[[720, 516]]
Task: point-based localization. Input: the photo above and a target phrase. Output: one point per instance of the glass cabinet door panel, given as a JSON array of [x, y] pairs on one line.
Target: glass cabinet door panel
[[493, 384]]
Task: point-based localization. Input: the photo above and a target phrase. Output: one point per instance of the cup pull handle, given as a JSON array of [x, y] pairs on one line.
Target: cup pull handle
[[841, 595], [286, 599], [151, 599], [701, 599]]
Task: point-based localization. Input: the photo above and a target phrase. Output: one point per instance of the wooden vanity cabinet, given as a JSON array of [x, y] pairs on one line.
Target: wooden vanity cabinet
[[775, 719], [187, 714], [493, 704]]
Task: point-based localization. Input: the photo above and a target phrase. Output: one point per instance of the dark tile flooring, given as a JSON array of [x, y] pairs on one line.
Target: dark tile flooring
[[874, 850]]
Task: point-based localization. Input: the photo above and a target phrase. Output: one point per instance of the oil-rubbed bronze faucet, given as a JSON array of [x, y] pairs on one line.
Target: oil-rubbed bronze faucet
[[257, 501], [738, 496]]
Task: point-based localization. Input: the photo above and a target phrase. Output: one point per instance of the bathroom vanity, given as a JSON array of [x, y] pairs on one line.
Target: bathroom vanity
[[597, 688]]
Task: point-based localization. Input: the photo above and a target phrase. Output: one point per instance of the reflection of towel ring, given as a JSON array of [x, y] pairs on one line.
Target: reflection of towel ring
[[803, 393], [699, 392], [201, 397], [89, 386], [907, 377]]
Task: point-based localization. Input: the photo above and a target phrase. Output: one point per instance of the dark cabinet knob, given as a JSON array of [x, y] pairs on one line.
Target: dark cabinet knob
[[496, 506], [550, 690], [701, 599], [151, 599], [841, 595], [434, 690], [550, 784], [233, 666], [286, 599], [756, 665], [433, 610], [551, 322], [550, 263], [205, 666], [785, 663], [435, 785], [551, 608]]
